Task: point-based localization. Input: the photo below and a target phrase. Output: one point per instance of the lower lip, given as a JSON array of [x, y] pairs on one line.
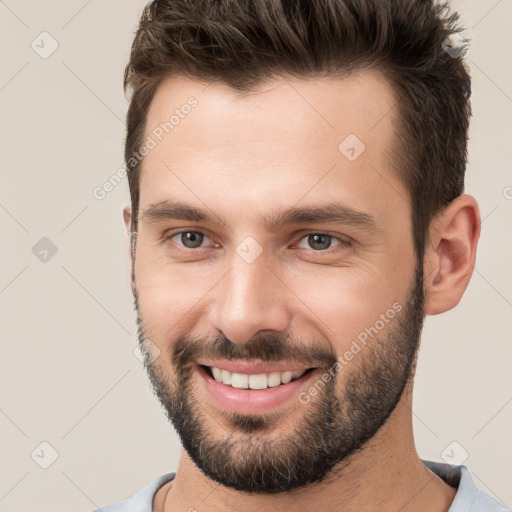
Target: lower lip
[[248, 401]]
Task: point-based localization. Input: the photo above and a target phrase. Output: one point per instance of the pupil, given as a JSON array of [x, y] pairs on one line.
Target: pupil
[[193, 237], [318, 243]]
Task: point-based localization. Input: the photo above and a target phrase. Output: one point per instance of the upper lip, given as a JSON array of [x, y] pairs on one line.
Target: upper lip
[[253, 367]]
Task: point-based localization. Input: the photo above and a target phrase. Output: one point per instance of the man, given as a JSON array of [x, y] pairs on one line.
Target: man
[[297, 208]]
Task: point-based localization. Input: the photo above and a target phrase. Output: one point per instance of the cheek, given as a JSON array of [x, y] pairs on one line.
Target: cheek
[[348, 303], [169, 294]]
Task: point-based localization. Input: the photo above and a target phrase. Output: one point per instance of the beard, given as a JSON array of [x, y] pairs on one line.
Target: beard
[[248, 452]]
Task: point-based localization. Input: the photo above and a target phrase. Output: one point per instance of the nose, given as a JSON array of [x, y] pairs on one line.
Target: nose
[[249, 299]]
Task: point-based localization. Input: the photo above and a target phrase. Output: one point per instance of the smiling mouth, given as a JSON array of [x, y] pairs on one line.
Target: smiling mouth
[[254, 381]]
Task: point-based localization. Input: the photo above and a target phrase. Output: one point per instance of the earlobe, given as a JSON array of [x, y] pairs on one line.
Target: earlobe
[[451, 256]]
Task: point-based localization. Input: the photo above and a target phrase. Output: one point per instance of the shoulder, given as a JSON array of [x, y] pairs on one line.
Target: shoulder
[[468, 498], [141, 501]]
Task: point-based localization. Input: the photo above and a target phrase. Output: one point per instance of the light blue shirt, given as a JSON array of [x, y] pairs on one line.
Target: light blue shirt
[[467, 499]]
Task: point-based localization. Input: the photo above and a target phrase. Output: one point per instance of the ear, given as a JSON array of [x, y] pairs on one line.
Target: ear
[[451, 255], [127, 216]]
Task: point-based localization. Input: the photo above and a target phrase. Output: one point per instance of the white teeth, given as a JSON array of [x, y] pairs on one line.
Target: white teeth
[[239, 380], [258, 381], [225, 377], [273, 379], [217, 373], [296, 374], [286, 377]]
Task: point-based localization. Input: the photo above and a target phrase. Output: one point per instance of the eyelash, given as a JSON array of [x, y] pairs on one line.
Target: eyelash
[[343, 243]]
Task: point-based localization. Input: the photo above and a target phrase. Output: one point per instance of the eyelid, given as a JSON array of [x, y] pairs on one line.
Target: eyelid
[[338, 236]]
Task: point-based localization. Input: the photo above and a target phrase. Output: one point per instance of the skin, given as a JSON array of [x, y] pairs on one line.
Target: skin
[[242, 157]]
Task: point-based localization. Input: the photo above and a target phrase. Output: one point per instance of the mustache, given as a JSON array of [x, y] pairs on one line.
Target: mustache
[[267, 348]]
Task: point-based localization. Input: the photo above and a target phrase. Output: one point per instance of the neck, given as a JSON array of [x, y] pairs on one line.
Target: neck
[[386, 474]]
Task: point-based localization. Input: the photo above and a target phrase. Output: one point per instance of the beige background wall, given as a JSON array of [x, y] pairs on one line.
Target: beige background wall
[[68, 373]]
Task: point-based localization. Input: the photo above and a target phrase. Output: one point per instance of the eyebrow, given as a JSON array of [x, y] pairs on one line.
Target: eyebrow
[[275, 220]]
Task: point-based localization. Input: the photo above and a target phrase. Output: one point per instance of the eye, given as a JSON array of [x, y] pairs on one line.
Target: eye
[[318, 242], [322, 241], [189, 239]]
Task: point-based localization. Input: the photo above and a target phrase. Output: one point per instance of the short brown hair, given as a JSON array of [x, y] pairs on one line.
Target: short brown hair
[[242, 43]]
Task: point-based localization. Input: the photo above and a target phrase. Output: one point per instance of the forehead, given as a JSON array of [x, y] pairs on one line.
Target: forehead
[[321, 137], [296, 110]]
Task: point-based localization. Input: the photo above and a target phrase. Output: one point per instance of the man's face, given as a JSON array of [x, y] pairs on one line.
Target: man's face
[[336, 302]]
